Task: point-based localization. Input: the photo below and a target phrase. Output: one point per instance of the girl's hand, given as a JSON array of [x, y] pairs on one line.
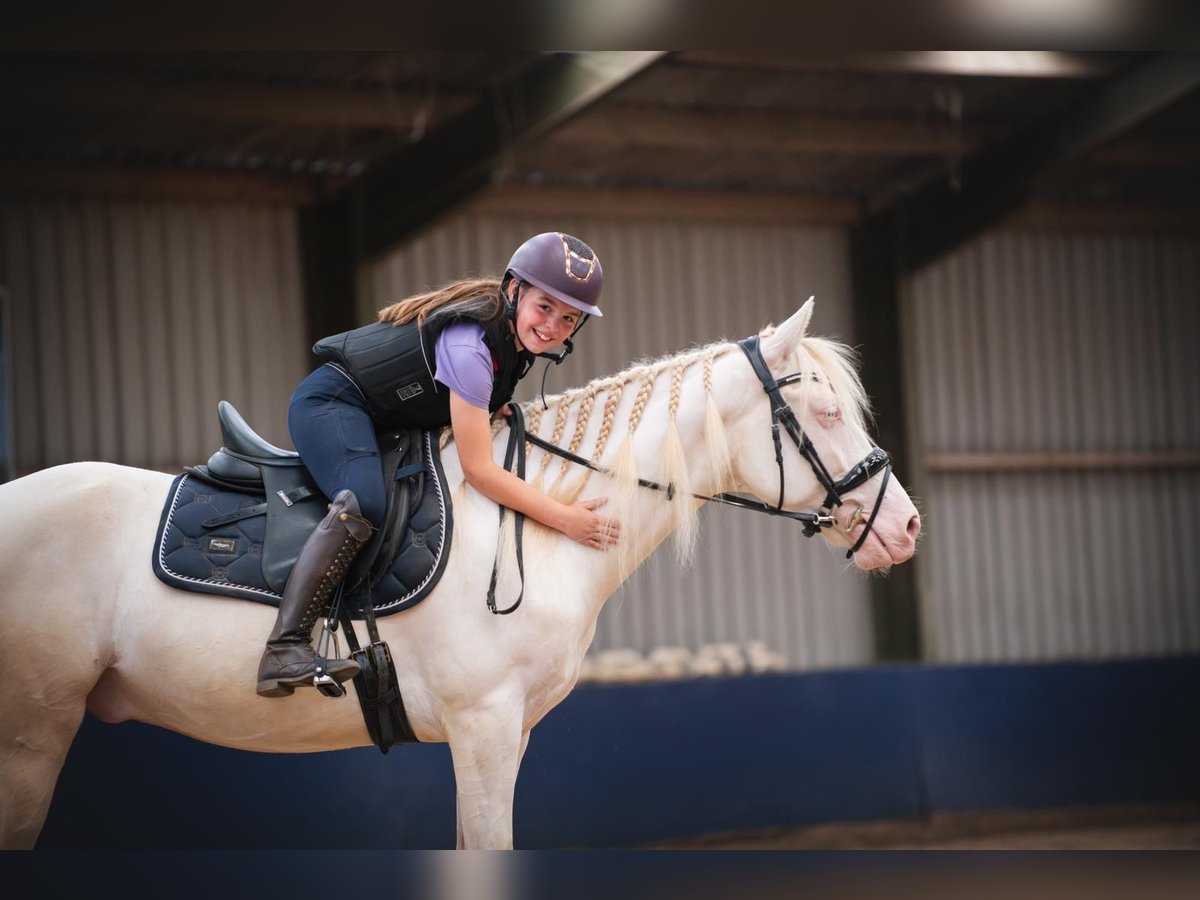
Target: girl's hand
[[589, 529]]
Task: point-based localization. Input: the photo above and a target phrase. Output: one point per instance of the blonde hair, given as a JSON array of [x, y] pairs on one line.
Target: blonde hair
[[479, 295]]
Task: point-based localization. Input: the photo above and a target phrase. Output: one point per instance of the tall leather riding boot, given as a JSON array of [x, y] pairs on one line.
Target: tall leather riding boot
[[290, 661]]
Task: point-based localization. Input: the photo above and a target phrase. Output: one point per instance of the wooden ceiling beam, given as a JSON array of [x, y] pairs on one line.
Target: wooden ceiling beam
[[152, 183], [39, 84], [776, 132], [1149, 150], [963, 63], [614, 127], [1059, 215], [638, 203]]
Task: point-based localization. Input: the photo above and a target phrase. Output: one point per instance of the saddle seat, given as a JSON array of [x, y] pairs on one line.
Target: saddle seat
[[244, 452]]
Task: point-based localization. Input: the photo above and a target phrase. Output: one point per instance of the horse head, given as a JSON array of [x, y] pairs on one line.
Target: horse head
[[818, 382]]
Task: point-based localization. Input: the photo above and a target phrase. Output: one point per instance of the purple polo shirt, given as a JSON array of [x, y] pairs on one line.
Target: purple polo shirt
[[464, 363]]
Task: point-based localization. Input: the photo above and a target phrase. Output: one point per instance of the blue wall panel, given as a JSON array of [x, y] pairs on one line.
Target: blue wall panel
[[1023, 737], [625, 765], [621, 765]]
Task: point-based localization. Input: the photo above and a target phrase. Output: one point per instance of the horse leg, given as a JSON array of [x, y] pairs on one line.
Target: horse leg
[[59, 592], [48, 666], [460, 843], [35, 734], [486, 746]]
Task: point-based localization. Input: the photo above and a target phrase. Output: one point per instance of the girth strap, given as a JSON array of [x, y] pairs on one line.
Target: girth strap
[[376, 685]]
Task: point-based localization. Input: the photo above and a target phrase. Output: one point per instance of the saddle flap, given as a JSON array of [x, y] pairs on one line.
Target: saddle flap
[[289, 522]]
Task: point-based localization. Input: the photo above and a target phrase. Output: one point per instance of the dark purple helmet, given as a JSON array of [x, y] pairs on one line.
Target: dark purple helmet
[[563, 266]]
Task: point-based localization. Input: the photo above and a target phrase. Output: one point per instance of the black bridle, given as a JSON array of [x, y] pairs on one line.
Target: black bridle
[[782, 417]]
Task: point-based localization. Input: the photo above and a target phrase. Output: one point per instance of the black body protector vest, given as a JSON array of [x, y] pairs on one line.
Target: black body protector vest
[[394, 366]]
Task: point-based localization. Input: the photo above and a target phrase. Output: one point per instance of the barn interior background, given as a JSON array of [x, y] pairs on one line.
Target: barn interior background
[[1010, 238]]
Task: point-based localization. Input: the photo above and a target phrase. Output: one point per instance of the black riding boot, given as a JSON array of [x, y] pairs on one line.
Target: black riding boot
[[290, 661]]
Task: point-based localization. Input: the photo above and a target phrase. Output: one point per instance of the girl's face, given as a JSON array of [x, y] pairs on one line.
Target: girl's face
[[543, 321]]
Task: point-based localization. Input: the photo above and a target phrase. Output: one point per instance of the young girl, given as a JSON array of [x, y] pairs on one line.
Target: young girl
[[452, 356]]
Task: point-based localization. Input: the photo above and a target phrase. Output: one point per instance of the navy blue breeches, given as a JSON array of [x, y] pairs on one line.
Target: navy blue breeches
[[335, 436]]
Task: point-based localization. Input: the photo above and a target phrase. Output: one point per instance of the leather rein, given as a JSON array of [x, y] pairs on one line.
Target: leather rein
[[782, 418]]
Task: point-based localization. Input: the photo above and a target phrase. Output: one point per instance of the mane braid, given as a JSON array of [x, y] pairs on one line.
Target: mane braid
[[675, 472], [606, 419], [560, 424], [533, 421], [581, 421]]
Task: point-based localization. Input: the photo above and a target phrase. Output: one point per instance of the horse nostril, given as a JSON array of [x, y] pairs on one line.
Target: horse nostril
[[914, 527]]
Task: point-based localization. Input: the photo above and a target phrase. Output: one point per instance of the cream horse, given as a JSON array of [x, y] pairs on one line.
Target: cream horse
[[87, 626]]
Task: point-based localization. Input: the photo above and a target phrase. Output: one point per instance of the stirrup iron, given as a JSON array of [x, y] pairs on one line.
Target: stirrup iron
[[322, 680]]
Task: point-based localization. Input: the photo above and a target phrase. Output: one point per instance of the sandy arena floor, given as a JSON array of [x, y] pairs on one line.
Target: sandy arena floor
[[1115, 828]]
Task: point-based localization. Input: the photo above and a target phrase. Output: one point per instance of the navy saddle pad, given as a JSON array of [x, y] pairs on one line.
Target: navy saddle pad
[[192, 554]]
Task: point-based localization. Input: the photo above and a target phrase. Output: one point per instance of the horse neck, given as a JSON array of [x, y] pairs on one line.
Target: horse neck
[[646, 403]]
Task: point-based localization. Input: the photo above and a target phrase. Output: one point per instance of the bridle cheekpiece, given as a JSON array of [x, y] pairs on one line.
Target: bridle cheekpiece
[[782, 417]]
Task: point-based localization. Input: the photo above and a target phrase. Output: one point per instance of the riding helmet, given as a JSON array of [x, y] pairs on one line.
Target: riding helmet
[[561, 265]]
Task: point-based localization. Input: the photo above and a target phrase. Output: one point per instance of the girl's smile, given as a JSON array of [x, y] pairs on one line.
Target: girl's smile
[[543, 321]]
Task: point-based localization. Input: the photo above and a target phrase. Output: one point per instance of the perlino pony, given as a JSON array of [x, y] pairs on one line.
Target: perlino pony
[[100, 633]]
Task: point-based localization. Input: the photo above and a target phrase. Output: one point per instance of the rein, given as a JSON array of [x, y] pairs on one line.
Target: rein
[[782, 416]]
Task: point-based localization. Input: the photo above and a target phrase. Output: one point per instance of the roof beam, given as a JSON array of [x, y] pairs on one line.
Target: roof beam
[[41, 84], [426, 178], [965, 63], [156, 183], [1179, 150], [998, 178], [614, 126], [691, 205]]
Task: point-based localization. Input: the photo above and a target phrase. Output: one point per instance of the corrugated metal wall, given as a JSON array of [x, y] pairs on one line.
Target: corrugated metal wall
[[669, 285], [1028, 342], [131, 320]]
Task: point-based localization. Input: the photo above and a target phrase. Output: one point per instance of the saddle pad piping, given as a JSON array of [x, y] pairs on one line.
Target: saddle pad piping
[[223, 587], [437, 566]]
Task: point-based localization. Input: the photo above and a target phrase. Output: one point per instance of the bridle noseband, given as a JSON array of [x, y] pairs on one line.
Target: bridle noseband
[[782, 416]]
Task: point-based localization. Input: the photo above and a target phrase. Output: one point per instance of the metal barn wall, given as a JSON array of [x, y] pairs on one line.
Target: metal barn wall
[[669, 285], [1059, 344], [131, 320]]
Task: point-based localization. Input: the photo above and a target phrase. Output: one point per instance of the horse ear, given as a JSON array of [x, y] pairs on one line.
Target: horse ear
[[784, 339]]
